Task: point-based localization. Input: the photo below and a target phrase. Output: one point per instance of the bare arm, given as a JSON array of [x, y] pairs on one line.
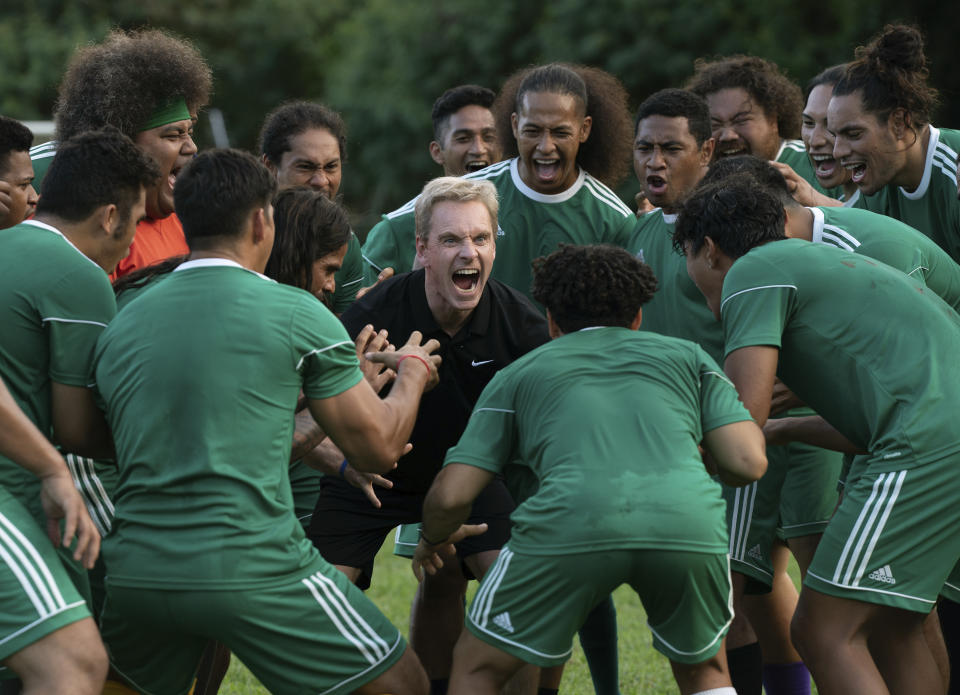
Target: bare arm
[[327, 458], [79, 426], [738, 451], [446, 507], [812, 430], [373, 432], [22, 442], [753, 370]]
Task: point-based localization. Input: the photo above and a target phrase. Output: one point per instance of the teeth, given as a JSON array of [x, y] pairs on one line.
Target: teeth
[[467, 271], [546, 161], [821, 157]]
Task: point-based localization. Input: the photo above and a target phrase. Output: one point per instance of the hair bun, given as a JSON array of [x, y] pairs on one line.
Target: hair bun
[[898, 47]]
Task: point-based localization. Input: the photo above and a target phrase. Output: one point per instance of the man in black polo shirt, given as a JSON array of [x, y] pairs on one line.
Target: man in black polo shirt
[[482, 326]]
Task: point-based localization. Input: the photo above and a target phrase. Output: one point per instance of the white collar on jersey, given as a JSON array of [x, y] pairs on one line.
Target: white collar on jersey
[[927, 169], [543, 197], [817, 237], [51, 228], [216, 263]]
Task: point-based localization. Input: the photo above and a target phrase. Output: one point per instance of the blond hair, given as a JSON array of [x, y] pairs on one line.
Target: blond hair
[[457, 190]]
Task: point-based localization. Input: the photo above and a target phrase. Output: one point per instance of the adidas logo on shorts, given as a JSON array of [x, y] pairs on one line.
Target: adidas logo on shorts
[[503, 622], [883, 575], [755, 552]]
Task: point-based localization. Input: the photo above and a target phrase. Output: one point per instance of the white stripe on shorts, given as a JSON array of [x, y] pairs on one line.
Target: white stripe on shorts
[[346, 619], [867, 530], [88, 483], [31, 572], [483, 601], [741, 518]]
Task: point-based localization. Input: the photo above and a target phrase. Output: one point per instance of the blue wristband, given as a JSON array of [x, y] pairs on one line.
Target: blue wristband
[[343, 467]]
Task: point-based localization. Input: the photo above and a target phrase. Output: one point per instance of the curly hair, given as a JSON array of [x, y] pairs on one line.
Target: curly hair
[[126, 78], [308, 226], [737, 213], [596, 285], [455, 99], [294, 117], [891, 73], [93, 169], [763, 80], [608, 152], [14, 137], [765, 174]]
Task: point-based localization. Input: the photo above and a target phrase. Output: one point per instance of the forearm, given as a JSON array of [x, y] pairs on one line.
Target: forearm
[[325, 457], [307, 434], [399, 410], [813, 430], [22, 442], [442, 517]]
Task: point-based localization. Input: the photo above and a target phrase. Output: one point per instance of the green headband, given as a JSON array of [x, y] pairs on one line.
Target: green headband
[[172, 112]]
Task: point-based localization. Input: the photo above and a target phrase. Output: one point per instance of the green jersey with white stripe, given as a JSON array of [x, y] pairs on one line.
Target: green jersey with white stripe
[[349, 278], [608, 420], [933, 208], [54, 304], [678, 307], [530, 225], [892, 242], [870, 349], [200, 374]]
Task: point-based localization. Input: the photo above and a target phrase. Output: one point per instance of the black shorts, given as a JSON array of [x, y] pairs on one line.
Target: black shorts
[[348, 530]]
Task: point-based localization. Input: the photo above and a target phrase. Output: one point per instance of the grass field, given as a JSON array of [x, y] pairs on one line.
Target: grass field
[[642, 670]]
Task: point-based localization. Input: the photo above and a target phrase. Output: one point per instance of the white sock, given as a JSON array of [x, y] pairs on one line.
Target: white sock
[[718, 691]]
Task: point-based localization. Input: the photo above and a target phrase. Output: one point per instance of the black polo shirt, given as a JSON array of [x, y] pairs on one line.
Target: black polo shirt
[[504, 326]]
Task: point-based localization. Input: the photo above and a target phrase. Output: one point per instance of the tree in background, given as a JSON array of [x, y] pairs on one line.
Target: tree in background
[[381, 63]]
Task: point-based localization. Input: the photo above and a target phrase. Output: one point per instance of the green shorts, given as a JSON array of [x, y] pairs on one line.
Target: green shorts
[[406, 539], [795, 497], [37, 596], [531, 606], [96, 481], [314, 633], [893, 540]]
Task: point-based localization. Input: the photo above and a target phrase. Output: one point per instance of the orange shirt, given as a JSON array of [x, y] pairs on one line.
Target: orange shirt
[[155, 241]]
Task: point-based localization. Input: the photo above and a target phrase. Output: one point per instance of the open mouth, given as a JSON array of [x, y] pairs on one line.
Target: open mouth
[[466, 279], [656, 185], [825, 165], [857, 170], [546, 169], [732, 151], [172, 176], [476, 165]]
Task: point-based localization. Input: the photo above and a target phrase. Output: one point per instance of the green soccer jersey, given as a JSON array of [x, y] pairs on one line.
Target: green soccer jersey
[[54, 303], [349, 278], [200, 375], [870, 349], [933, 208], [892, 242], [678, 308], [608, 420], [530, 225], [793, 152]]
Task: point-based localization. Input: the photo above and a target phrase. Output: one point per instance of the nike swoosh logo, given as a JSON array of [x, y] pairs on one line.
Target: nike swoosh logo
[[474, 363]]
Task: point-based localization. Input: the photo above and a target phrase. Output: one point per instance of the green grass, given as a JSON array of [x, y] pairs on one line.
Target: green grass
[[642, 669]]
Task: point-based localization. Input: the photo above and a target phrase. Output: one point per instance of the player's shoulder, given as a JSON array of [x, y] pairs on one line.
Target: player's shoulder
[[493, 173], [608, 201], [944, 159]]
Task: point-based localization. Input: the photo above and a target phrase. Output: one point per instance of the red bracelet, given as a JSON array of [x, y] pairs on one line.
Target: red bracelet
[[416, 357]]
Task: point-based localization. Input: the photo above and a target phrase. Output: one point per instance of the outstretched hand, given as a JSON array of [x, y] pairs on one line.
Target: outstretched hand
[[377, 374], [428, 557], [417, 352], [385, 274]]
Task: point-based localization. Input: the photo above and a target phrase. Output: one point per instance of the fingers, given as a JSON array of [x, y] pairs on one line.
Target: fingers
[[465, 531], [385, 274]]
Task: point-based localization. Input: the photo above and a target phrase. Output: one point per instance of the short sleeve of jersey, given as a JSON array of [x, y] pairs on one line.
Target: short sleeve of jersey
[[380, 251], [324, 353], [719, 401], [489, 441], [756, 304], [74, 312], [350, 276]]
